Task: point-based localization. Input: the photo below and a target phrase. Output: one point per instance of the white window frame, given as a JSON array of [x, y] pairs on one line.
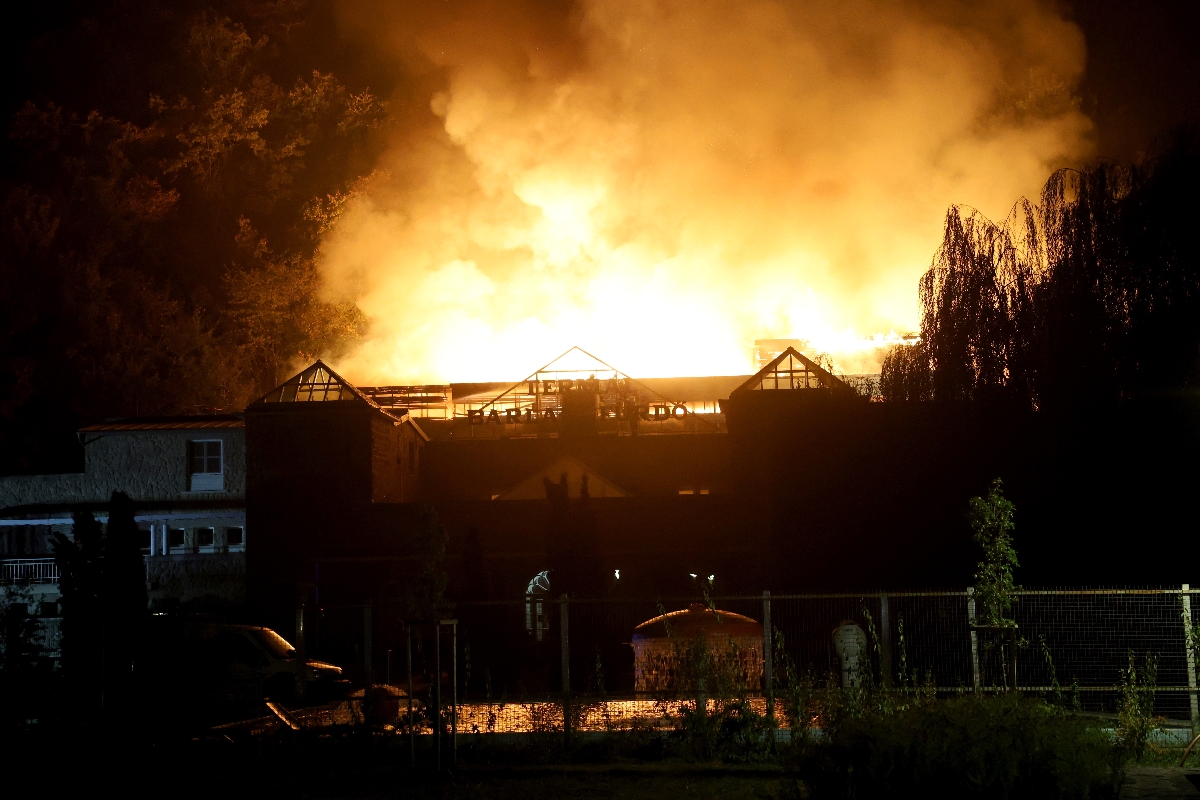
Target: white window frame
[[240, 547], [206, 481], [173, 549], [204, 548]]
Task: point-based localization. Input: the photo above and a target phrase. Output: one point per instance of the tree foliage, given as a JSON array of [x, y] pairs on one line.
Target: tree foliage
[[19, 651], [904, 374], [102, 582], [991, 520], [1092, 294], [159, 232]]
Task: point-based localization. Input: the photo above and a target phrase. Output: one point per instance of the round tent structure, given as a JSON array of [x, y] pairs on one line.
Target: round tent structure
[[661, 644]]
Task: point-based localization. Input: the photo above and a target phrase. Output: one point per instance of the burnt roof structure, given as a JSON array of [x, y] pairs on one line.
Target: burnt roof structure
[[320, 384]]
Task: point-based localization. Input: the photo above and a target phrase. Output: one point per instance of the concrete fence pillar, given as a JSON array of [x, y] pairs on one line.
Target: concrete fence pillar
[[1189, 642], [974, 638]]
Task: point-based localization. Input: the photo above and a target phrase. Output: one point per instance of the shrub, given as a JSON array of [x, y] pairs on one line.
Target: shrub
[[993, 747], [1136, 722]]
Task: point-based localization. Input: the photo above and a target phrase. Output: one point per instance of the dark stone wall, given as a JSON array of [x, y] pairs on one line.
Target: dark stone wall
[[809, 493], [475, 469], [394, 475], [307, 465]]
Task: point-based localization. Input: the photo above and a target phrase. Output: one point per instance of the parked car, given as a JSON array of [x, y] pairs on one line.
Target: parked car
[[223, 670]]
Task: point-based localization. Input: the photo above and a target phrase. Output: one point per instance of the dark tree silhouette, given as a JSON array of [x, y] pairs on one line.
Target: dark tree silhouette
[[1091, 295], [124, 599], [80, 571], [159, 228], [905, 374], [20, 693], [102, 581]]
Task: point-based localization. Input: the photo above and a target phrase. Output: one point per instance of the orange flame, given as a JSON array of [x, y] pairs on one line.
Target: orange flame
[[663, 183]]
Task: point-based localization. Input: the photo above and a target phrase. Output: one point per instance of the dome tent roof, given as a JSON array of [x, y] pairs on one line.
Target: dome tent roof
[[698, 620]]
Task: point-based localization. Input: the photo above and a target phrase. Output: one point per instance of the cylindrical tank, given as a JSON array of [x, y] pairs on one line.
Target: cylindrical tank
[[657, 644]]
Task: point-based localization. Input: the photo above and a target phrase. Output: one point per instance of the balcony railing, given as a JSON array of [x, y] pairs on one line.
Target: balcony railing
[[28, 570]]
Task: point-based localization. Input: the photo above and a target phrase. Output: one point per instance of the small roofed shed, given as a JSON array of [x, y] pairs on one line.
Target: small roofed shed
[[663, 646]]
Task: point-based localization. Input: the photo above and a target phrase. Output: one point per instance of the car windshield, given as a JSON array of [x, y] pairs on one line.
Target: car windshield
[[276, 645]]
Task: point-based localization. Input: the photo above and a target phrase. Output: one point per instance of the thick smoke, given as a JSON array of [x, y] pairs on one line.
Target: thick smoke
[[664, 182]]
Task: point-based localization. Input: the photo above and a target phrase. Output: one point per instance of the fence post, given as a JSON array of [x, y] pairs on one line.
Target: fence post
[[974, 638], [301, 652], [454, 697], [368, 647], [437, 691], [412, 740], [885, 632], [566, 670], [1012, 655], [768, 660], [1189, 645]]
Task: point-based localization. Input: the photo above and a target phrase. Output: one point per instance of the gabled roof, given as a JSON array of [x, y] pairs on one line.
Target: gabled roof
[[320, 384], [534, 487], [792, 370]]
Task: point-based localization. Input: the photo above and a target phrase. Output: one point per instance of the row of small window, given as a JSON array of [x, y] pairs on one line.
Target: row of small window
[[195, 540]]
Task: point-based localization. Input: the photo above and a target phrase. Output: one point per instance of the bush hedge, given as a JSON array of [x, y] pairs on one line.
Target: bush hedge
[[990, 747]]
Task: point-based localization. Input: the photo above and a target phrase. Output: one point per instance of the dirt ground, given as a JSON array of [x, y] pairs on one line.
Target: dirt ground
[[575, 783], [1160, 783]]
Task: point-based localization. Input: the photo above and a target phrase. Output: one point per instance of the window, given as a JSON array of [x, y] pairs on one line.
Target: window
[[205, 466], [205, 538], [235, 538], [232, 647], [175, 539]]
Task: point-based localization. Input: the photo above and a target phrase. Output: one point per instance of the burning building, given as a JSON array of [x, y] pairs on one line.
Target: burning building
[[318, 495]]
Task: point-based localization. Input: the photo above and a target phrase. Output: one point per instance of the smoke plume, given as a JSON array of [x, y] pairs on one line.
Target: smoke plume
[[664, 182]]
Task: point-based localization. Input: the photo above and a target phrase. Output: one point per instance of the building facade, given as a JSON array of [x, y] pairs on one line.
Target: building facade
[[187, 478]]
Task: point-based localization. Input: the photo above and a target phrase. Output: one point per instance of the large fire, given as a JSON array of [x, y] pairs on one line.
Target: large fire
[[663, 183]]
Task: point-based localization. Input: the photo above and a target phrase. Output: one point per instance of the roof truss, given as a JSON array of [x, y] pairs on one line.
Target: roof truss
[[792, 370], [316, 384]]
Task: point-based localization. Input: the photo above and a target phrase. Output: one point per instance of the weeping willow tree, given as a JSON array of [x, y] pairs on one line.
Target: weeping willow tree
[[905, 374], [1092, 293]]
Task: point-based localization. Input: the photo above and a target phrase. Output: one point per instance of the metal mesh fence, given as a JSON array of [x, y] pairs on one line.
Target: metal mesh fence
[[509, 666]]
